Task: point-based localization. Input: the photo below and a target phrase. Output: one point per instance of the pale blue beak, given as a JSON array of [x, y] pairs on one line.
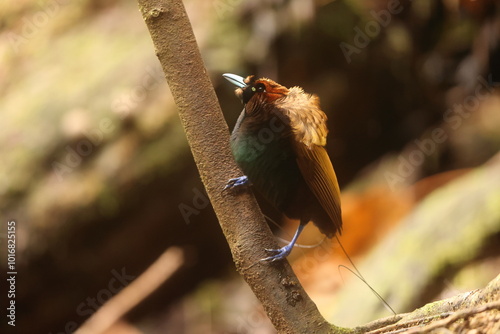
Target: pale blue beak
[[235, 80]]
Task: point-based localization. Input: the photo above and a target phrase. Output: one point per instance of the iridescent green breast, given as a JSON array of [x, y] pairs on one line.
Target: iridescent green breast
[[264, 153]]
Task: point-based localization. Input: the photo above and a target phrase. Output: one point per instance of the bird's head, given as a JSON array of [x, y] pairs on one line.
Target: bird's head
[[264, 97], [256, 93]]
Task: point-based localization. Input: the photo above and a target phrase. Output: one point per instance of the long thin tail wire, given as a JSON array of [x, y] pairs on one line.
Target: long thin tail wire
[[355, 272], [358, 274]]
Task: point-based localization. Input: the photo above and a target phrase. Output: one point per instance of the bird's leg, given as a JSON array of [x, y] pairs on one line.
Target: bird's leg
[[280, 254], [237, 181]]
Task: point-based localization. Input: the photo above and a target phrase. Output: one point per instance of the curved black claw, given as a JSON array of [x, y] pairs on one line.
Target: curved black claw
[[280, 254], [236, 182]]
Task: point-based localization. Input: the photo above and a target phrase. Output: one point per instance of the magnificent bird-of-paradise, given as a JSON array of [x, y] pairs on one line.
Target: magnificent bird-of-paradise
[[278, 142]]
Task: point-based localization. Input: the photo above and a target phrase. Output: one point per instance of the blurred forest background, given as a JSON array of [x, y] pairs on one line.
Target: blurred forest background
[[97, 173]]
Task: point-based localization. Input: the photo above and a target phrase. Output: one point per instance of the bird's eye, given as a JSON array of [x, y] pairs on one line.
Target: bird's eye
[[249, 92], [260, 87]]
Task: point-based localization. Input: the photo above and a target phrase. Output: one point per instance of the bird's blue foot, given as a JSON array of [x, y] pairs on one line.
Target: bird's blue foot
[[279, 254], [237, 181]]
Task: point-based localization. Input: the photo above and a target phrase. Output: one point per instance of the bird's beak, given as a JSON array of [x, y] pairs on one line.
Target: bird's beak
[[235, 80]]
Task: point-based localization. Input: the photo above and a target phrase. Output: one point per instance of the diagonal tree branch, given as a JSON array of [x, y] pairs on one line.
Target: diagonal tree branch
[[275, 285]]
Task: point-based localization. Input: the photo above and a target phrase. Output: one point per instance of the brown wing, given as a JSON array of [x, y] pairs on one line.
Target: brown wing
[[308, 123], [317, 170]]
